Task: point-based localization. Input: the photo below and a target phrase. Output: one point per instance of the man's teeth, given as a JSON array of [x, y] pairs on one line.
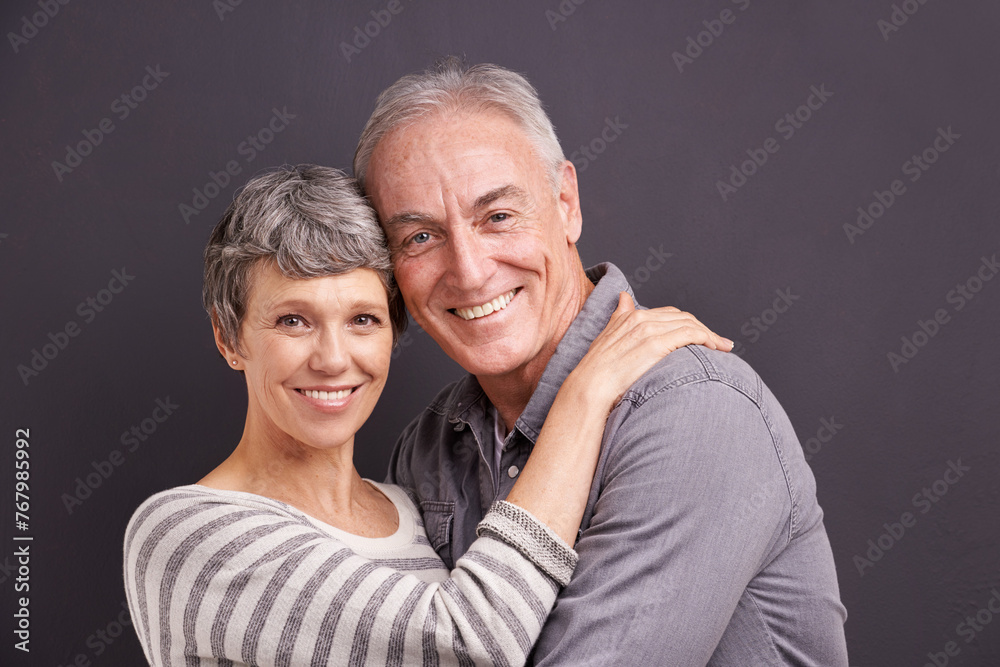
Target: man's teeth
[[327, 395], [498, 303]]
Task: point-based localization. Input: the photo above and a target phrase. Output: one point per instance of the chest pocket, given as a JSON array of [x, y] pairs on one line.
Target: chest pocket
[[439, 519]]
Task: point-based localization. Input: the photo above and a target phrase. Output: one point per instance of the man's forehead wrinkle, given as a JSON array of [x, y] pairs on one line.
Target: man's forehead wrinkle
[[407, 218], [435, 169], [508, 191]]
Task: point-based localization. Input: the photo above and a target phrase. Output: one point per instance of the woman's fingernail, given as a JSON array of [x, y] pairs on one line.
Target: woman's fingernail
[[731, 343]]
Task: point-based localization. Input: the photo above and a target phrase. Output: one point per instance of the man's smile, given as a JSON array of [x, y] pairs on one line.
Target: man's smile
[[488, 308]]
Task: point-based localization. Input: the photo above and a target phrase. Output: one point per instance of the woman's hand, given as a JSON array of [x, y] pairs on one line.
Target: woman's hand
[[555, 482], [632, 342]]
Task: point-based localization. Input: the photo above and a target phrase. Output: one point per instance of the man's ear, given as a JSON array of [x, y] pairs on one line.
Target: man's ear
[[569, 202]]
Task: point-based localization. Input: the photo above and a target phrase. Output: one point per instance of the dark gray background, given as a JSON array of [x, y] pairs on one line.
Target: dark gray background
[[653, 187]]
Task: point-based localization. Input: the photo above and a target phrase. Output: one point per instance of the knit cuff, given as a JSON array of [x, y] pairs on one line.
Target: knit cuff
[[536, 541]]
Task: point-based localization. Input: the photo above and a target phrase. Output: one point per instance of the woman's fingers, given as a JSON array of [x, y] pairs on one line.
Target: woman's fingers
[[672, 318], [635, 340], [682, 318]]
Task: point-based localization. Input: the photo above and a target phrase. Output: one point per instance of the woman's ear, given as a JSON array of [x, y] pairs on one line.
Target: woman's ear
[[228, 353]]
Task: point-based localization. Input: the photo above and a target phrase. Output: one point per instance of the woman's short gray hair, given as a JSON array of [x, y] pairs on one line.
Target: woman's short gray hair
[[311, 221], [454, 86]]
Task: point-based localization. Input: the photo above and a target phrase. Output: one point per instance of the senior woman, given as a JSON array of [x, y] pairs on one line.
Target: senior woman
[[283, 554]]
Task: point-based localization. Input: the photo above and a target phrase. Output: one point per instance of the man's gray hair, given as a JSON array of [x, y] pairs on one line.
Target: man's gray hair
[[310, 221], [454, 86]]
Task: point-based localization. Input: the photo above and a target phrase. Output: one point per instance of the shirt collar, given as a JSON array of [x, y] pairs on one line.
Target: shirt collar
[[608, 281]]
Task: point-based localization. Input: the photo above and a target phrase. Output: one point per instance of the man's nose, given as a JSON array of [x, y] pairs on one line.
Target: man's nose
[[470, 263]]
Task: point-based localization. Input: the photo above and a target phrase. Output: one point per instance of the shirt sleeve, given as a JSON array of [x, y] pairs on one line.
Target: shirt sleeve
[[245, 582], [692, 500]]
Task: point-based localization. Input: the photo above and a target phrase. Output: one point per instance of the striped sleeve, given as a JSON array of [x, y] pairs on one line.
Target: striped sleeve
[[223, 581]]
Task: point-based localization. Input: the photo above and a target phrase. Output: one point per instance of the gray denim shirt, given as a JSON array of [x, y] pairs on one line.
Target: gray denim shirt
[[702, 541]]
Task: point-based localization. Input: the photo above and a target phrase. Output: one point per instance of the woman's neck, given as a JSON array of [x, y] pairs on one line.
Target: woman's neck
[[322, 483]]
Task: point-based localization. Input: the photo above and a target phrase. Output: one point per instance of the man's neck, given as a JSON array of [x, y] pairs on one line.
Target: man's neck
[[511, 392]]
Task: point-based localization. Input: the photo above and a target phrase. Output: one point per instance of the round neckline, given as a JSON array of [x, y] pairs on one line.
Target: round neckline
[[405, 525]]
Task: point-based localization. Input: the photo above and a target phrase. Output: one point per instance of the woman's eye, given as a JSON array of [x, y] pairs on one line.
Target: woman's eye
[[290, 321], [366, 320], [420, 237]]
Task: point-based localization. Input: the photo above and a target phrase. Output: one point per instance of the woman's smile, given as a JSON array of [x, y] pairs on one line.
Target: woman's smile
[[329, 399]]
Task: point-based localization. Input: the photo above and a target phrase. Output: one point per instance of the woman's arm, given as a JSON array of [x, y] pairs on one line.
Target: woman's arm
[[249, 580]]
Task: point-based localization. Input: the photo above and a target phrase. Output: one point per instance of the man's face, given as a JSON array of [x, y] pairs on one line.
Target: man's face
[[483, 249]]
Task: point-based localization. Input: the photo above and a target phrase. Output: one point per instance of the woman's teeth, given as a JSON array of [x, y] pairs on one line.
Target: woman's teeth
[[327, 395], [488, 308]]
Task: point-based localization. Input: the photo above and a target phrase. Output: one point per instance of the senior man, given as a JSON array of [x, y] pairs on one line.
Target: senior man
[[702, 542]]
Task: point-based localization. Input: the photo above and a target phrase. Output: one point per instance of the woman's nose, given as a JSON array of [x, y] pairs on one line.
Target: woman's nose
[[330, 354]]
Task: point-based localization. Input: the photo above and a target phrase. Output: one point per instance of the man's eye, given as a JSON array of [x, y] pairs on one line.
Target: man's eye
[[499, 217], [420, 237]]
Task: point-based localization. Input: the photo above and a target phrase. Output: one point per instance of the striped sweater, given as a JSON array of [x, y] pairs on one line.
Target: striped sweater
[[230, 578]]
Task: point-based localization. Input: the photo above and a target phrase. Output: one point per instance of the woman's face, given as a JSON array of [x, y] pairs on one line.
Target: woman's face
[[318, 354]]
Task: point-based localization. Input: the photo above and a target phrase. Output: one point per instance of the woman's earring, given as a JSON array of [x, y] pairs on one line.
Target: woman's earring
[[234, 362]]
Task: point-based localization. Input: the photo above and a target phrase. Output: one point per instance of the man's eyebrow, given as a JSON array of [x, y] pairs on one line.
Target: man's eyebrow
[[406, 218], [504, 191]]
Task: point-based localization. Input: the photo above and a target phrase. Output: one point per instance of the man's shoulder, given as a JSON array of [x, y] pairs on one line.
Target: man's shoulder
[[696, 364], [698, 395], [444, 411]]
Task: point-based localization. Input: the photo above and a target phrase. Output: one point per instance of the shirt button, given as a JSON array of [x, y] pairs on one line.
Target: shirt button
[[512, 472]]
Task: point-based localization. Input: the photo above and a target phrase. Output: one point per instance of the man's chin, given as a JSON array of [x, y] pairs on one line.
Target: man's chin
[[486, 362]]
